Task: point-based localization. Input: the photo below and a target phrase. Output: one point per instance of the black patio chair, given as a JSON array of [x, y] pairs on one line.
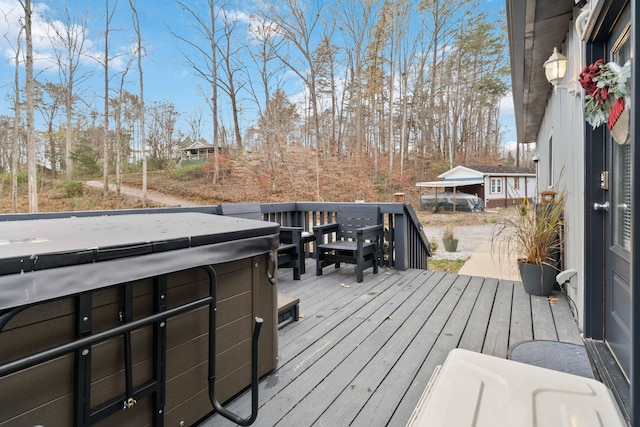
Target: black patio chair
[[290, 250], [355, 238]]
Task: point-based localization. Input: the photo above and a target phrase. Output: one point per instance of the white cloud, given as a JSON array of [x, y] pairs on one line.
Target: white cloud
[[506, 105], [46, 48], [509, 146], [239, 16], [9, 26], [261, 29]]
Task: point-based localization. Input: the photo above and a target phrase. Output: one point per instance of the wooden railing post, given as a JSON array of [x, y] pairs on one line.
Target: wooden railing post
[[401, 242]]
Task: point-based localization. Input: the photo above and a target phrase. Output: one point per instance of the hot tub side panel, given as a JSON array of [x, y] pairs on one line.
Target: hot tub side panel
[[45, 394]]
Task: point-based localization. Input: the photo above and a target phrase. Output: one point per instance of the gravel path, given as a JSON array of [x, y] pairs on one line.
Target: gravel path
[[153, 196]]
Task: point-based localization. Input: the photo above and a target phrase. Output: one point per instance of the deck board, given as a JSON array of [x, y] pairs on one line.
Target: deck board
[[363, 352], [521, 327], [476, 330], [496, 341], [543, 324], [565, 322]]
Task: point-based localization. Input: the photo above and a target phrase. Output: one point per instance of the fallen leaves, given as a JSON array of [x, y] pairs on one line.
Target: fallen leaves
[[553, 300]]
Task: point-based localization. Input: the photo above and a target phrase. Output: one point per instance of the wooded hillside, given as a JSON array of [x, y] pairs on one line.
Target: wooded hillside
[[392, 91]]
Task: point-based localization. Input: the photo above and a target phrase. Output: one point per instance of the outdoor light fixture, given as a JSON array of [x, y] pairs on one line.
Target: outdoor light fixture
[[555, 67]]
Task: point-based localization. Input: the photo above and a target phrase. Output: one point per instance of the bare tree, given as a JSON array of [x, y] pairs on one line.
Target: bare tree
[[15, 137], [162, 130], [398, 25], [356, 21], [50, 101], [119, 110], [141, 108], [326, 63], [278, 126], [406, 53], [230, 68], [443, 23], [105, 137], [69, 45], [32, 178], [194, 122], [263, 45], [206, 66], [296, 22]]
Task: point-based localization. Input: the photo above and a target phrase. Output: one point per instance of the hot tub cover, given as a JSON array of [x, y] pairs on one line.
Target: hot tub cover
[[46, 259]]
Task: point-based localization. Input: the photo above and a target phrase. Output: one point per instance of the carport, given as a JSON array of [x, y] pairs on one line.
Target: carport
[[448, 184]]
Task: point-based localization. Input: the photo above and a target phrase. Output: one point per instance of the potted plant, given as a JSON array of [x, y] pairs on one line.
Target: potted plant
[[536, 234], [449, 239]]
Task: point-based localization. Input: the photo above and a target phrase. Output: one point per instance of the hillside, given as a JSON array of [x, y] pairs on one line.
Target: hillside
[[282, 177], [279, 177]]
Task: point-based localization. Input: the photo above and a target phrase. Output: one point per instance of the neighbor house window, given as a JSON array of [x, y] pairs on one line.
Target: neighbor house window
[[496, 185], [516, 183]]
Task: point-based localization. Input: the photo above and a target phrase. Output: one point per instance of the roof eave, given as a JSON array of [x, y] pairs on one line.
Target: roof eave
[[535, 27]]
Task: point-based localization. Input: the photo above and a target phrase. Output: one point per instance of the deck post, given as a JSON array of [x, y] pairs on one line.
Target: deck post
[[401, 242]]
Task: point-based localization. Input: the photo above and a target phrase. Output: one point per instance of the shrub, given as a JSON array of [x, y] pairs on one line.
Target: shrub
[[434, 244], [188, 172], [73, 188]]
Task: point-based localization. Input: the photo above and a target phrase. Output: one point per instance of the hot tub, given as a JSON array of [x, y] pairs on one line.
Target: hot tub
[[105, 320]]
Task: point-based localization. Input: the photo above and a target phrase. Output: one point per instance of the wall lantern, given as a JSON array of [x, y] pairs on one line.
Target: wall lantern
[[555, 68]]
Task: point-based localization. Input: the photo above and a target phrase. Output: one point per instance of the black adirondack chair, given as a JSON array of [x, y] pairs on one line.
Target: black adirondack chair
[[290, 250], [355, 238]]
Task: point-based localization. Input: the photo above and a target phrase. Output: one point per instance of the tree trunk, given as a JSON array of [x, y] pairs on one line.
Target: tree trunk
[[15, 146], [31, 143], [141, 111], [214, 97], [105, 141]]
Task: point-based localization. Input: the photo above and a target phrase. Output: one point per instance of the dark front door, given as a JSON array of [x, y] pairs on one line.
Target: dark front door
[[618, 220]]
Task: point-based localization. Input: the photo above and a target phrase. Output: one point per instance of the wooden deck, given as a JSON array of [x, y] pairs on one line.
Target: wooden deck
[[363, 353]]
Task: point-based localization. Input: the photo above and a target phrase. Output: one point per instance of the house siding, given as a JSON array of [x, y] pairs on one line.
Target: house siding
[[564, 125], [511, 195]]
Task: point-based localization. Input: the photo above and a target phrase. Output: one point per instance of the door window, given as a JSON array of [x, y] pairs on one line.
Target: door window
[[621, 53]]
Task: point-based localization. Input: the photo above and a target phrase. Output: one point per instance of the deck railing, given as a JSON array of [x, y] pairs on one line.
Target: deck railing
[[406, 245]]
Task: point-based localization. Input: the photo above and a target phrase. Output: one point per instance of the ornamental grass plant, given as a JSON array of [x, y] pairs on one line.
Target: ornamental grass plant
[[535, 233], [448, 233]]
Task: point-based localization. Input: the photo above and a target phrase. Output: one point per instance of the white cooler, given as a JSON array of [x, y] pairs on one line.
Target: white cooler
[[473, 389]]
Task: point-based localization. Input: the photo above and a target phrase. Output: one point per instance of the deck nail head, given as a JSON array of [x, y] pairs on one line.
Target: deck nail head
[[85, 351], [162, 324], [85, 319]]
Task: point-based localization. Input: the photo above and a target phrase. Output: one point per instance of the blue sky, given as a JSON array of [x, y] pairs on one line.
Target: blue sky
[[168, 77]]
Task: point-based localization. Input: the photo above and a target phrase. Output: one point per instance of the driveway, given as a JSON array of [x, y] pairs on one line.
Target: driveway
[[474, 245]]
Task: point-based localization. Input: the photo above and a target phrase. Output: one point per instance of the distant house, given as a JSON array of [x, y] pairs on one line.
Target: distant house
[[496, 186], [197, 150]]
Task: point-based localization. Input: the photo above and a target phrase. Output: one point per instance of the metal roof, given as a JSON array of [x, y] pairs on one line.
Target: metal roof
[[450, 183], [503, 170]]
